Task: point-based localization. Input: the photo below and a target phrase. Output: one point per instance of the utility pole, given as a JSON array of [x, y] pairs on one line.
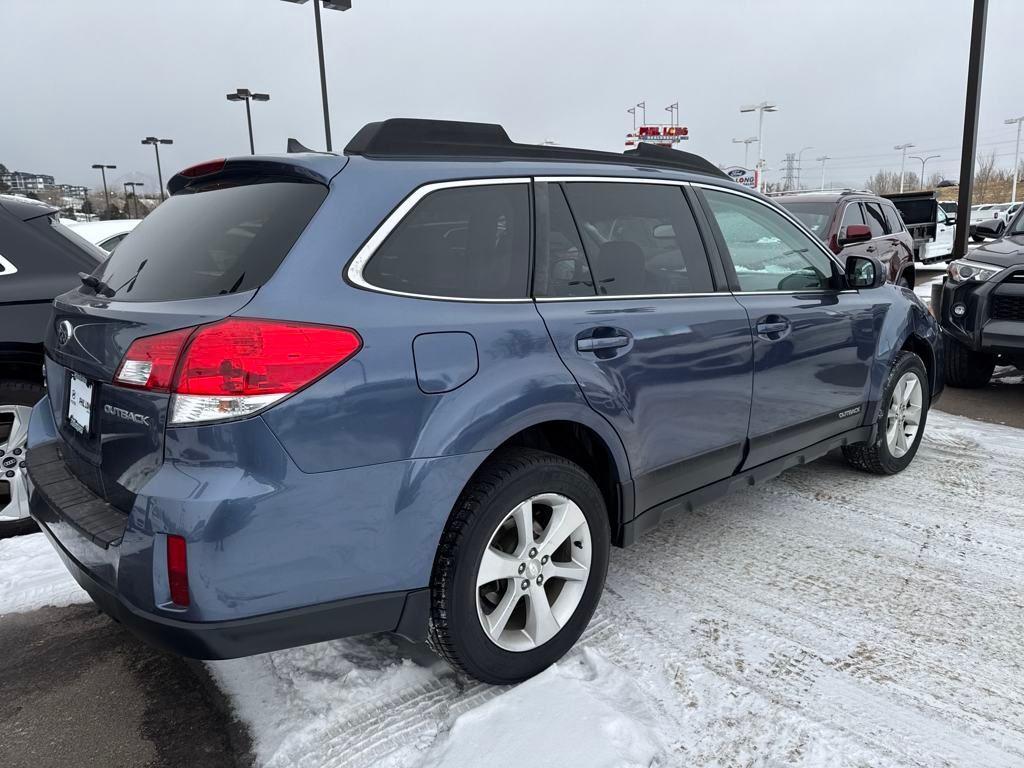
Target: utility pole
[[923, 161], [903, 160], [823, 159], [1017, 155], [972, 106], [761, 108], [746, 149]]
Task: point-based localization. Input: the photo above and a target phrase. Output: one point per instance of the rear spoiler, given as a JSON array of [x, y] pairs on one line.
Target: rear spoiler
[[240, 170]]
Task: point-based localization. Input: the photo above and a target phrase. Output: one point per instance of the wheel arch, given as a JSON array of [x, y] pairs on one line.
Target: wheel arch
[[22, 362]]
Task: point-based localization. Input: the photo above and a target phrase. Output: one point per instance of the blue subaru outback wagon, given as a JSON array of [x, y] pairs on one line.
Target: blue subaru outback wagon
[[424, 386]]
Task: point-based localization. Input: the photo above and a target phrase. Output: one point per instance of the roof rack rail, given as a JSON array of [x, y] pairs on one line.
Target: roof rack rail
[[410, 137]]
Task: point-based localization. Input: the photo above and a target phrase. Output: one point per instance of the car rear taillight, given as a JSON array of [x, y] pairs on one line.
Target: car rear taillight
[[234, 367], [177, 570]]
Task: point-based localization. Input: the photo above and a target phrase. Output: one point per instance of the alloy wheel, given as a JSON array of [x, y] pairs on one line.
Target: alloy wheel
[[904, 417], [13, 437], [534, 572]]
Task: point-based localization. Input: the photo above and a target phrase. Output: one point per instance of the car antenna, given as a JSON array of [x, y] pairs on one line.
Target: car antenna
[[294, 145]]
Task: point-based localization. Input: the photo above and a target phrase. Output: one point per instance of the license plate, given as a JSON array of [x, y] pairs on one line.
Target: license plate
[[79, 403]]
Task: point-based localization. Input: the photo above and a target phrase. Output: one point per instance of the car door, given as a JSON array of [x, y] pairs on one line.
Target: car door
[[942, 245], [852, 214], [813, 339], [626, 290], [883, 245]]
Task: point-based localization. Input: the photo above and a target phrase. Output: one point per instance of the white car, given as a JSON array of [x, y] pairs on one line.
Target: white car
[[105, 234]]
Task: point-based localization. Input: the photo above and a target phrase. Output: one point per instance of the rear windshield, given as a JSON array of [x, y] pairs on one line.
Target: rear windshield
[[207, 243], [814, 216]]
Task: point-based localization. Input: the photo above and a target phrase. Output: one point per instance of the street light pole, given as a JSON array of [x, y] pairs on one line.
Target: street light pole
[[135, 195], [823, 159], [103, 171], [746, 149], [156, 148], [244, 94], [799, 163], [903, 160], [1017, 155], [643, 107], [761, 108], [331, 5], [923, 161]]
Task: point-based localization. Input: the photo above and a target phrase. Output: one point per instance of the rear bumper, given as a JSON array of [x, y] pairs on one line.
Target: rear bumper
[[402, 612]]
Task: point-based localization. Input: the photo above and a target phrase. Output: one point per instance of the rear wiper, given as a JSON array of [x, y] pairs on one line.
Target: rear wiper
[[90, 281]]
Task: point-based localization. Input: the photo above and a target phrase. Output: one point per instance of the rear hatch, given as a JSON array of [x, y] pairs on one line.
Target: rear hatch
[[198, 258]]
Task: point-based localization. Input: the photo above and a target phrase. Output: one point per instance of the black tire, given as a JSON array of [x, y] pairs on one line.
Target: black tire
[[15, 392], [875, 457], [504, 481], [965, 368], [977, 238]]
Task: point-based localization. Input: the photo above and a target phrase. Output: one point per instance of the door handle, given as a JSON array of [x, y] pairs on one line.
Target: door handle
[[870, 249], [593, 344], [765, 328]]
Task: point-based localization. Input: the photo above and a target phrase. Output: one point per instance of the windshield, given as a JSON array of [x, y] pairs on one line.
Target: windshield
[[220, 240], [814, 216]]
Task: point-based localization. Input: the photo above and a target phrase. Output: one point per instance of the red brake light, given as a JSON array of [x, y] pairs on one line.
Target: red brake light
[[261, 357], [204, 169], [177, 570], [150, 361]]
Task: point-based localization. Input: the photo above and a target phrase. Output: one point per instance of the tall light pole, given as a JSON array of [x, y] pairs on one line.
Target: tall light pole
[[764, 106], [103, 171], [823, 159], [673, 112], [642, 106], [923, 161], [156, 148], [799, 161], [331, 5], [746, 149], [135, 194], [244, 94], [632, 111], [1017, 155], [903, 160]]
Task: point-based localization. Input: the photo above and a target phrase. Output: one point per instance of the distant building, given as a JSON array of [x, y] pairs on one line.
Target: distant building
[[74, 190], [20, 181]]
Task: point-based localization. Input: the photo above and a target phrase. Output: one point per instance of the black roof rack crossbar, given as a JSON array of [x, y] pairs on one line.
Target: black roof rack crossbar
[[410, 138]]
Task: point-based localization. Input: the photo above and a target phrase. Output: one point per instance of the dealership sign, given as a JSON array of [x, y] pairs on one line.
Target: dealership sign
[[744, 176], [662, 135]]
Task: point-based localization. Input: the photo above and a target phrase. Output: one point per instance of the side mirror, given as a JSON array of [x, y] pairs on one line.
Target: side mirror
[[664, 232], [864, 272], [855, 233], [990, 228]]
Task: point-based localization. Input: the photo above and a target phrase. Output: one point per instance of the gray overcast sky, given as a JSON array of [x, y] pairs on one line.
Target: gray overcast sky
[[84, 81]]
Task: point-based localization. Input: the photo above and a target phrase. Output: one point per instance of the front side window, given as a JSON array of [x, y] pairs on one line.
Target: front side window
[[464, 242], [852, 215], [640, 239], [767, 251]]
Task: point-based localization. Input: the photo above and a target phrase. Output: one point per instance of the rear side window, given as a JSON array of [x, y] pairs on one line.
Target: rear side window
[[565, 271], [876, 219], [212, 242], [892, 218], [464, 242], [640, 239]]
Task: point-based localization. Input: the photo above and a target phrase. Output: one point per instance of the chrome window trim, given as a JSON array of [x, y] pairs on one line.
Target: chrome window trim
[[8, 267], [612, 179], [633, 297], [354, 271]]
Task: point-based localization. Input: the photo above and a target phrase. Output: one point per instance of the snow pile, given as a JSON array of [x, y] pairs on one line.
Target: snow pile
[[32, 576]]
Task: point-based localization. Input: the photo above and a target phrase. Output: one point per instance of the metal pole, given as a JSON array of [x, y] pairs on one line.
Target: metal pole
[[760, 150], [903, 162], [1016, 162], [106, 194], [822, 175], [970, 140], [159, 173], [323, 74], [248, 119], [746, 154]]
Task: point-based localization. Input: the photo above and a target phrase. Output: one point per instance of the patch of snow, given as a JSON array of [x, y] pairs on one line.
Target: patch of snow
[[32, 576]]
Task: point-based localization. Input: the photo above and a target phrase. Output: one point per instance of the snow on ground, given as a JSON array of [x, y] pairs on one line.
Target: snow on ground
[[32, 576], [826, 618]]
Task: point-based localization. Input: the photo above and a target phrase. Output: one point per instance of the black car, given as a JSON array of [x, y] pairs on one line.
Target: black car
[[40, 258], [981, 306]]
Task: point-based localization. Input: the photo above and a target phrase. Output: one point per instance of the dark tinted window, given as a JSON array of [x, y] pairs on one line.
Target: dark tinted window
[[466, 242], [562, 268], [852, 215], [639, 238], [892, 219], [876, 219], [212, 242]]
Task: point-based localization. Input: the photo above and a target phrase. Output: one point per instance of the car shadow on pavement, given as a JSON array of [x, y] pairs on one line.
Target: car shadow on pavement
[[78, 689]]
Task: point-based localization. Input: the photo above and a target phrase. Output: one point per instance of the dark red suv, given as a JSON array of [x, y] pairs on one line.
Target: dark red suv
[[857, 224]]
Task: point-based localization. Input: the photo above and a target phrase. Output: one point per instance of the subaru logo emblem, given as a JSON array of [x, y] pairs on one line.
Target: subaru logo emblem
[[64, 332]]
